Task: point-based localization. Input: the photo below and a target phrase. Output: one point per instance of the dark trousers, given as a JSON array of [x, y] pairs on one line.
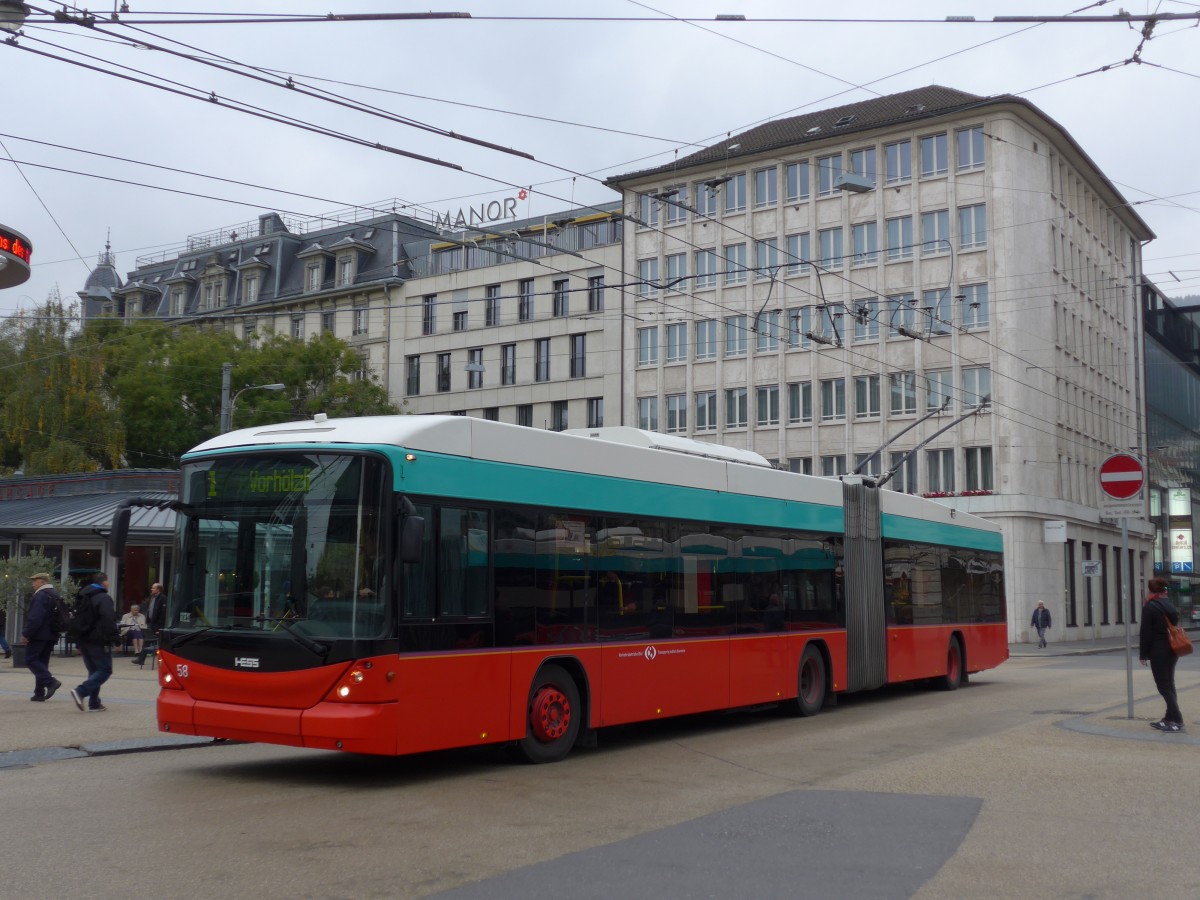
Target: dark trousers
[[97, 658], [37, 658], [1162, 666]]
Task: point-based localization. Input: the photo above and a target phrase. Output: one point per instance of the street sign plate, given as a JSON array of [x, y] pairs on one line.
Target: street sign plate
[[1122, 476]]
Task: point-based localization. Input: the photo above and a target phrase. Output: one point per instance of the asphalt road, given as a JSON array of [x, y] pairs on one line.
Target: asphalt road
[[1029, 782]]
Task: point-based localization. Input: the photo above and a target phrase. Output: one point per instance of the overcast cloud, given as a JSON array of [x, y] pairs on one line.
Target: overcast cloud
[[665, 84]]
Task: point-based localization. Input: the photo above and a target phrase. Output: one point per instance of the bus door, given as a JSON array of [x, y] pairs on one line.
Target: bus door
[[866, 622]]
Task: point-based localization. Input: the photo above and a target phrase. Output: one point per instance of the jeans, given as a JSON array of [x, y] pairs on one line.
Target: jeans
[[98, 660], [1162, 665], [1041, 636]]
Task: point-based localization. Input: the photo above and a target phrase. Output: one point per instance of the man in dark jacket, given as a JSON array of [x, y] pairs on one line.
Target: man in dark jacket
[[95, 643], [156, 616], [39, 637], [1041, 622]]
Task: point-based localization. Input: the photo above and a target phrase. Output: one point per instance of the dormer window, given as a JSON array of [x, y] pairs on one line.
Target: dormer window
[[346, 269], [177, 296], [314, 274], [250, 289]]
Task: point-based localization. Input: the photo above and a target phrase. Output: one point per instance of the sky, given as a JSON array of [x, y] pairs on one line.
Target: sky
[[589, 90]]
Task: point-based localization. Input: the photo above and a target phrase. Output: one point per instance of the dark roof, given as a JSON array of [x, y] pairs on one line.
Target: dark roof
[[86, 513], [921, 103]]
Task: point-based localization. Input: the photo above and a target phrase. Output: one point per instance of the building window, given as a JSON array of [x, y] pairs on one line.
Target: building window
[[935, 232], [972, 227], [177, 302], [676, 272], [647, 345], [735, 193], [578, 355], [491, 413], [595, 293], [978, 468], [327, 321], [766, 187], [648, 210], [766, 332], [558, 415], [706, 269], [460, 320], [676, 203], [298, 328], [800, 465], [706, 411], [648, 413], [903, 393], [939, 468], [706, 339], [904, 464], [250, 331], [898, 162], [833, 466], [562, 298], [766, 405], [902, 313], [800, 407], [206, 305], [829, 170], [443, 372], [250, 289], [676, 343], [595, 412], [735, 408], [867, 465], [345, 271], [474, 376], [833, 399], [412, 375], [429, 314], [799, 327], [975, 306], [313, 274], [977, 385], [933, 155], [866, 396], [936, 306], [940, 389], [970, 148], [864, 244], [799, 253], [766, 258], [735, 263], [541, 359], [830, 243], [491, 305], [525, 299], [899, 238], [866, 320], [862, 162], [676, 413], [648, 277], [797, 180], [735, 335], [508, 364], [359, 321], [706, 200], [525, 415]]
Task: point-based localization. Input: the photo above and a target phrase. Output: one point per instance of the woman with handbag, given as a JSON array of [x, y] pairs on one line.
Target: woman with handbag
[[1156, 649]]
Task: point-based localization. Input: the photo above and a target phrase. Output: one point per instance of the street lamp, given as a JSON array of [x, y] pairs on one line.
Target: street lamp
[[228, 403], [12, 15]]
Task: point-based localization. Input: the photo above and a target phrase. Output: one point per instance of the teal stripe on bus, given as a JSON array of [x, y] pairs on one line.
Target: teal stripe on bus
[[905, 528]]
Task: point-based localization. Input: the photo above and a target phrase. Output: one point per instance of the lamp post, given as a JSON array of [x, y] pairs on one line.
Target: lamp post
[[228, 403], [12, 15]]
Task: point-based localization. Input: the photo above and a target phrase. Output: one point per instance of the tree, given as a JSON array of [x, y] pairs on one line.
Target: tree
[[57, 412], [15, 572]]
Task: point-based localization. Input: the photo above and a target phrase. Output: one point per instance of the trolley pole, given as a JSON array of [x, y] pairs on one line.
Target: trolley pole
[[1125, 595]]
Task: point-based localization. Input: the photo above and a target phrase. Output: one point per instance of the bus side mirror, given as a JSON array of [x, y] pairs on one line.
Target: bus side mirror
[[412, 539], [120, 532]]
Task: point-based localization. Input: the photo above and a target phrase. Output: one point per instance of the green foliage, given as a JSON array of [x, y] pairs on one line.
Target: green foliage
[[15, 587]]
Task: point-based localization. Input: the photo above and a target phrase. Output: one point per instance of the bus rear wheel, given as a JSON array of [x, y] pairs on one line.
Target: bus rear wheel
[[954, 667], [552, 717], [810, 684]]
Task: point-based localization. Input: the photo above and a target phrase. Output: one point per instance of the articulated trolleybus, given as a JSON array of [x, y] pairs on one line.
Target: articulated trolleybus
[[403, 584]]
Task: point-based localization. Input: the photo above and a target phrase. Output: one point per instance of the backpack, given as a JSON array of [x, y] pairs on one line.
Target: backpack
[[60, 616], [83, 617]]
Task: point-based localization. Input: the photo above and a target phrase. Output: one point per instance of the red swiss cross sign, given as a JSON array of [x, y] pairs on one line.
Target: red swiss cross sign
[[1122, 476]]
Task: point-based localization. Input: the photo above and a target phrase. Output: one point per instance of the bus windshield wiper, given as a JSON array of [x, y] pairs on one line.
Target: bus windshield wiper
[[191, 635], [314, 647]]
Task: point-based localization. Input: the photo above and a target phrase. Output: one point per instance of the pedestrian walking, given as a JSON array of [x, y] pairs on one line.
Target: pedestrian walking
[[1155, 649], [39, 637], [96, 633], [1041, 621]]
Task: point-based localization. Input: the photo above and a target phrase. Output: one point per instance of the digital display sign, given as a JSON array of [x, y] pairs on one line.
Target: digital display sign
[[15, 254]]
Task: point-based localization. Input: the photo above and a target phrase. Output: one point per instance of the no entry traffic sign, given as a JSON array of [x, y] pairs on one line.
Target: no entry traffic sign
[[1122, 476]]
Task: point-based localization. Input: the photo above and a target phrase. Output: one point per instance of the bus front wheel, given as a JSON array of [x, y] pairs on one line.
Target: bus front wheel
[[552, 717], [810, 684]]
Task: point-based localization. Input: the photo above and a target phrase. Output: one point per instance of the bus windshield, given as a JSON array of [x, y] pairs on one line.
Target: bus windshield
[[285, 541]]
